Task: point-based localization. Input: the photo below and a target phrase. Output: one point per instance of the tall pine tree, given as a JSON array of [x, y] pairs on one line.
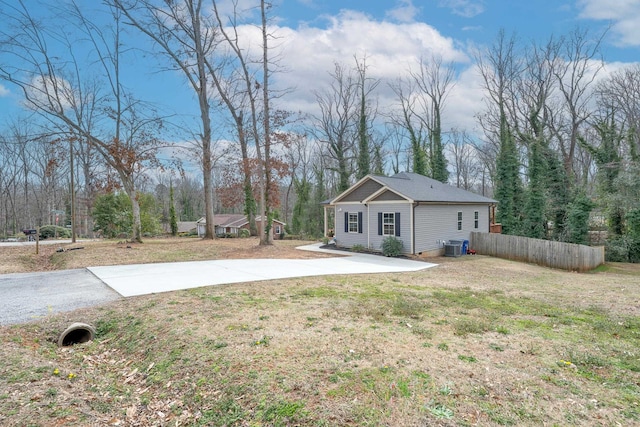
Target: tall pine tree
[[508, 191]]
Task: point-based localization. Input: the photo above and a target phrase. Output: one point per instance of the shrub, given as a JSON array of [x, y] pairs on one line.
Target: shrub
[[49, 231], [244, 233], [391, 246], [616, 250], [357, 248]]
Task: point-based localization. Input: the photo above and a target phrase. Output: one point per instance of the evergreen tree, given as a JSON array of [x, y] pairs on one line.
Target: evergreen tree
[[364, 159], [173, 220], [250, 207], [418, 153], [316, 210], [112, 214], [534, 224], [559, 196], [578, 219], [299, 221], [365, 116], [438, 160], [378, 163], [508, 185], [633, 234], [609, 163], [150, 214]]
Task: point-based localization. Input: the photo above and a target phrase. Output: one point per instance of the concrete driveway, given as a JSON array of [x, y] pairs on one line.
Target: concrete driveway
[[142, 279], [24, 297]]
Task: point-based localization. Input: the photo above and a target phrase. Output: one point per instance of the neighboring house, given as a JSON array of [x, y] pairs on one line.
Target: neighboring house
[[422, 212], [183, 227], [232, 224]]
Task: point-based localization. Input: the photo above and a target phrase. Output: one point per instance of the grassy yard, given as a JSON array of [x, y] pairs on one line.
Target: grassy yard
[[474, 341]]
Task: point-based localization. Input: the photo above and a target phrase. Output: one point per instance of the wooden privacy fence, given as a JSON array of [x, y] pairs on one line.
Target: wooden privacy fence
[[566, 256]]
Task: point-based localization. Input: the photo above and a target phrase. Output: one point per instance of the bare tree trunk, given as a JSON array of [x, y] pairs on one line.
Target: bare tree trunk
[[178, 31], [267, 236]]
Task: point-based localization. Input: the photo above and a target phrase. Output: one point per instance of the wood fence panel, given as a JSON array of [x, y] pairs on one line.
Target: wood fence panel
[[565, 256]]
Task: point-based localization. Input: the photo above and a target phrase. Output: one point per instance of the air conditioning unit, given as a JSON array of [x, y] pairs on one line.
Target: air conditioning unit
[[452, 249]]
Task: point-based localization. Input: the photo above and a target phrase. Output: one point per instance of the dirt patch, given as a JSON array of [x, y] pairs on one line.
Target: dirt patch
[[23, 259]]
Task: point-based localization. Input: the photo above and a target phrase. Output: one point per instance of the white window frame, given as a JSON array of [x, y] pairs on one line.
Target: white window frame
[[278, 230], [388, 222], [353, 222], [476, 219], [459, 220]]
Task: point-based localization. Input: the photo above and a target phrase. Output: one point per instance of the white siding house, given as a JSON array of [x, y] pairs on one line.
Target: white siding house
[[421, 212]]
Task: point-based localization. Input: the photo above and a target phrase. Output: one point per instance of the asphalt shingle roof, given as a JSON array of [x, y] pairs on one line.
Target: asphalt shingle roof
[[420, 188]]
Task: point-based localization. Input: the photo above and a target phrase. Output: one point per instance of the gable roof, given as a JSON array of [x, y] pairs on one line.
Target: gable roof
[[418, 188], [232, 220]]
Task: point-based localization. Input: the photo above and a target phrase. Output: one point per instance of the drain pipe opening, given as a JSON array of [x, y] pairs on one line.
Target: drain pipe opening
[[76, 333]]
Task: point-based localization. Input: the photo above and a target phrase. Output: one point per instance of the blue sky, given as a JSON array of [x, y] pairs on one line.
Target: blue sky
[[394, 34]]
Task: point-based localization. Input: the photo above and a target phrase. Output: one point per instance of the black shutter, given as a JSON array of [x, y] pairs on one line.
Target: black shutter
[[397, 218], [360, 222], [379, 223], [346, 222]]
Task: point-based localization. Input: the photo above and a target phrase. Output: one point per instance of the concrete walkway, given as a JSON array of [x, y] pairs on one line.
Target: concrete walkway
[[143, 279]]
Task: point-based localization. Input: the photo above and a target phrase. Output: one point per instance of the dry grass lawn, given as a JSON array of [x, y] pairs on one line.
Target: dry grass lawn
[[476, 341]]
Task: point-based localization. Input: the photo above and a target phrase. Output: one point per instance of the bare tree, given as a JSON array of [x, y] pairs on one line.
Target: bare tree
[[186, 37], [246, 93], [13, 170], [238, 89], [434, 82], [366, 117], [335, 125], [52, 87], [621, 92], [575, 73], [408, 120], [465, 160], [500, 69]]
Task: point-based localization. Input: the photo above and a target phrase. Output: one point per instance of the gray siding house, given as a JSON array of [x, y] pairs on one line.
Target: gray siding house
[[422, 212]]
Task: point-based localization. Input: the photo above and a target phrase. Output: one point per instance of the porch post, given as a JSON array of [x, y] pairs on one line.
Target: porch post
[[326, 220]]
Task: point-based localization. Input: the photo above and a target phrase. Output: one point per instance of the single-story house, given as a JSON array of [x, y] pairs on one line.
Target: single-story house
[[420, 211], [183, 227], [233, 223]]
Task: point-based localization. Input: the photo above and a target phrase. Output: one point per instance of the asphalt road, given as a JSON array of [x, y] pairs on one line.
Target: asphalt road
[[28, 296]]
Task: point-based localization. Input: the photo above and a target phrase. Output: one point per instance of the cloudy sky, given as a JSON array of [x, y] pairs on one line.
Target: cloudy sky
[[393, 35]]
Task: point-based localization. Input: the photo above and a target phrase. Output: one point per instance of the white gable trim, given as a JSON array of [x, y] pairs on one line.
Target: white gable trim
[[353, 188], [386, 202], [382, 190]]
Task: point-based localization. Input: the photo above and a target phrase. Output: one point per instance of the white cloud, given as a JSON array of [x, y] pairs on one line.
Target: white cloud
[[53, 93], [472, 28], [310, 52], [404, 12], [465, 8], [624, 17], [464, 102], [3, 91]]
